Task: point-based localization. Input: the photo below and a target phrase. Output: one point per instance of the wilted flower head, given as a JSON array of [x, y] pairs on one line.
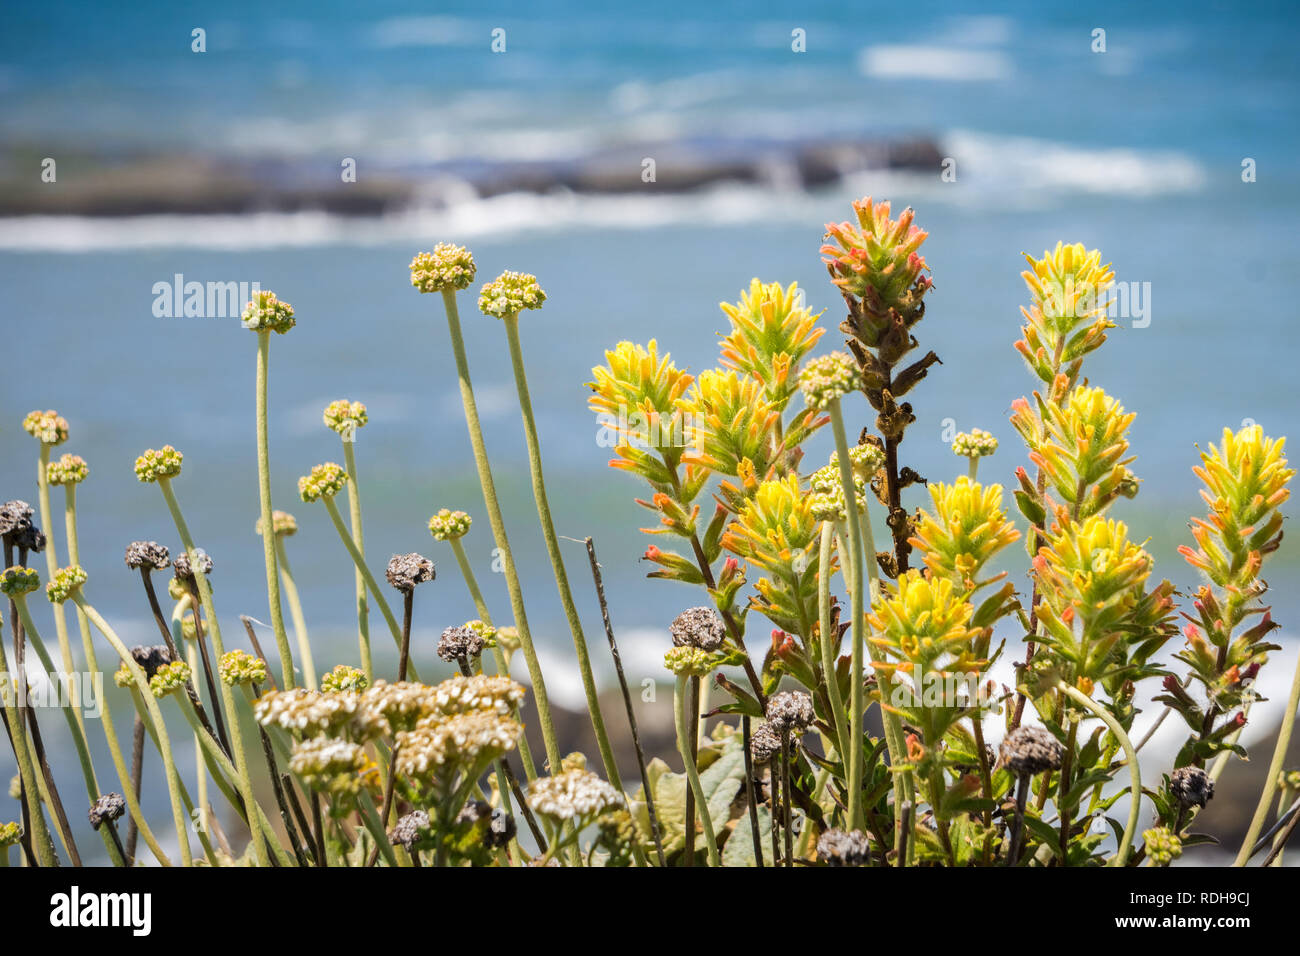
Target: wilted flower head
[[239, 667], [828, 377], [327, 765], [448, 525], [411, 829], [19, 580], [975, 443], [700, 627], [68, 470], [325, 481], [49, 427], [266, 312], [149, 555], [405, 571], [460, 644], [1030, 750], [14, 517], [150, 658], [790, 711], [186, 563], [169, 678], [1191, 786], [448, 268], [509, 294], [344, 679], [345, 417], [158, 463], [575, 795], [66, 582], [764, 743], [838, 847], [106, 808], [282, 524]]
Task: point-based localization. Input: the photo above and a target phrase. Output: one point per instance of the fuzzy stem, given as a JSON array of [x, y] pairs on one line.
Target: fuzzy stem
[[553, 550], [295, 611], [264, 498], [39, 837], [52, 560], [1274, 768], [693, 774], [358, 538], [1135, 773], [499, 532], [827, 642]]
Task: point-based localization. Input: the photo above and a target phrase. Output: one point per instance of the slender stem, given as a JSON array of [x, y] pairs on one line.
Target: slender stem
[[974, 469], [358, 538], [499, 532], [827, 640], [1274, 768], [208, 675], [693, 752], [52, 558], [295, 611], [786, 813], [264, 499], [750, 796], [227, 697], [1135, 773], [35, 828], [404, 655], [692, 773], [137, 773], [553, 550]]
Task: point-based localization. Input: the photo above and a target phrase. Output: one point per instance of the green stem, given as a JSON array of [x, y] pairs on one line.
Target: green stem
[[1274, 768], [264, 498], [52, 557], [358, 538], [553, 549], [1135, 774], [295, 611], [155, 714], [499, 532], [974, 468], [227, 698], [40, 840], [684, 748], [829, 659]]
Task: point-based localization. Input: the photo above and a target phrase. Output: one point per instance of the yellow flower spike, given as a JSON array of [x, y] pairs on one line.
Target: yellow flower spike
[[1067, 316], [967, 528], [771, 332]]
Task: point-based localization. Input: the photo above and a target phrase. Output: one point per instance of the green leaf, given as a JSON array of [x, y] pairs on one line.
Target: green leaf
[[739, 848]]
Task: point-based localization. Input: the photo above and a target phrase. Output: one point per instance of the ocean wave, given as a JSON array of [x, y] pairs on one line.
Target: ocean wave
[[914, 62]]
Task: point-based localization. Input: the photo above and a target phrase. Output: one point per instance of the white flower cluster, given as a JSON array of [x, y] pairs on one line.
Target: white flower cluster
[[974, 444], [305, 713], [460, 741], [325, 764], [572, 795]]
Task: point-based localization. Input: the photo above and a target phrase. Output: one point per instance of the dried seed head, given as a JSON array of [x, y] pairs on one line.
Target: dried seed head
[[405, 571], [460, 643], [266, 311], [149, 555], [838, 847], [1030, 750], [106, 809], [473, 811], [158, 463], [698, 627], [501, 828], [187, 562], [791, 711], [448, 268], [827, 378], [49, 427], [239, 667], [283, 524], [344, 679], [15, 516], [975, 443], [325, 481], [30, 539], [68, 470], [1191, 786], [345, 417], [19, 580], [449, 525], [410, 829], [509, 294], [764, 743], [151, 659], [66, 582]]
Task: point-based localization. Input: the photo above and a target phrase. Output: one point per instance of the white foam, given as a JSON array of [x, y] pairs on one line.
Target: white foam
[[949, 63]]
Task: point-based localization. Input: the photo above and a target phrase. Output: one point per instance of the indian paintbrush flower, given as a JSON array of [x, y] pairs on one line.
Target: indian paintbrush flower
[[771, 333], [967, 529], [1067, 317]]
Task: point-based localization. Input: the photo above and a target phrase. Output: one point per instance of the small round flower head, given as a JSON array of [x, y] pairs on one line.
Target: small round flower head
[[306, 713], [508, 638], [49, 427], [1030, 750], [791, 711], [449, 525], [265, 311], [345, 417], [509, 294], [16, 787], [764, 743], [460, 644], [1191, 786], [10, 834], [577, 795], [1286, 780], [149, 555], [170, 677], [283, 524], [239, 667], [158, 463], [331, 766], [827, 378], [487, 632], [466, 740], [700, 627], [865, 460], [838, 847], [68, 470], [19, 580], [325, 481], [106, 809], [409, 830], [405, 571], [1163, 845], [14, 517], [975, 443], [449, 268], [344, 679], [186, 563], [690, 661], [65, 584]]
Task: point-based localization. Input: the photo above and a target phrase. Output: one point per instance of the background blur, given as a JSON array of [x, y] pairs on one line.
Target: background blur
[[225, 166]]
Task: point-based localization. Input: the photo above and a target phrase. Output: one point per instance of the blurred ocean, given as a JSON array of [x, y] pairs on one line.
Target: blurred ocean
[[1137, 151]]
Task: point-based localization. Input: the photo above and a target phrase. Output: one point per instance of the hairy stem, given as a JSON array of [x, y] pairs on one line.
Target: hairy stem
[[264, 499], [358, 538], [693, 774]]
